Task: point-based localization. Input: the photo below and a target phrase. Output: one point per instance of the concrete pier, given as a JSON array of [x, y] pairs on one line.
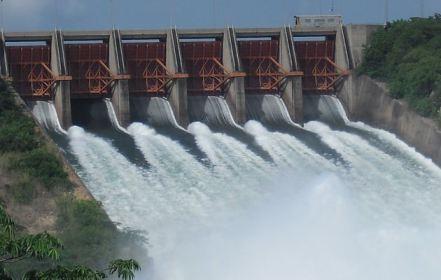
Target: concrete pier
[[292, 93], [342, 58], [4, 72], [236, 91], [178, 90], [120, 90], [62, 88]]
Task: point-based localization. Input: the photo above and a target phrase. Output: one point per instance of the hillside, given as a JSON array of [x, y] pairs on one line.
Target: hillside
[[407, 55]]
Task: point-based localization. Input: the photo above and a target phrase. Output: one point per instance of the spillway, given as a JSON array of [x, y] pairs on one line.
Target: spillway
[[370, 209]]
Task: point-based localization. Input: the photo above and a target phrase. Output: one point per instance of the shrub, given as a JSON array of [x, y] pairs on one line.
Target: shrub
[[24, 191], [17, 133], [86, 231], [423, 106], [90, 238], [42, 165]]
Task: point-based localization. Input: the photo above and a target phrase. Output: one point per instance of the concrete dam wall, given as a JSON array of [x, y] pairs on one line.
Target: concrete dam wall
[[189, 68], [369, 101], [176, 65]]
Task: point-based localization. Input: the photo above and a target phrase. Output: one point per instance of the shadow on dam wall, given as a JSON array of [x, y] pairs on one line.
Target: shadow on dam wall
[[94, 117]]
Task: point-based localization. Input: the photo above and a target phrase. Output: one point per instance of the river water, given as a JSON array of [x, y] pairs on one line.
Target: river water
[[270, 200]]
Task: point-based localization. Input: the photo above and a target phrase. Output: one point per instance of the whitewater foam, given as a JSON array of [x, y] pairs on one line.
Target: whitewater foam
[[299, 217], [112, 116], [46, 115]]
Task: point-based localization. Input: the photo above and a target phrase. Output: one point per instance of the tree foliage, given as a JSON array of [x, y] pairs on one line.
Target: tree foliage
[[40, 246], [124, 268], [407, 55]]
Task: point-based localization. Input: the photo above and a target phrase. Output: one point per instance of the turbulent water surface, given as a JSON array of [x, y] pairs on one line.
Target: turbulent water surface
[[326, 201]]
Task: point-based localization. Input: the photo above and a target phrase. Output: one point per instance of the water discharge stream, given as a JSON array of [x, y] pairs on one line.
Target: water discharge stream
[[374, 214]]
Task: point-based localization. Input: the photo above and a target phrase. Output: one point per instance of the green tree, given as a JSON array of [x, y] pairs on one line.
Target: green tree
[[407, 55], [14, 248]]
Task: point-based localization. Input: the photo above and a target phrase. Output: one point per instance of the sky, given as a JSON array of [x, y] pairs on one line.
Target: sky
[[25, 15]]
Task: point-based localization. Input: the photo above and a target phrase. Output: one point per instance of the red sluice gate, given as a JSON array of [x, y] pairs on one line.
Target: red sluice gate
[[260, 63], [88, 65], [203, 62], [30, 70], [317, 60], [146, 65]]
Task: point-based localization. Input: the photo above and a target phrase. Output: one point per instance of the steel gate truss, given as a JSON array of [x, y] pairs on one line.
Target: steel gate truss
[[317, 61], [326, 74], [99, 76], [207, 74], [41, 79], [270, 73], [156, 75], [215, 77]]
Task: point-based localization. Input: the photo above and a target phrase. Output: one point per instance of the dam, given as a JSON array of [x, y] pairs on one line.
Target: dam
[[132, 66], [229, 150]]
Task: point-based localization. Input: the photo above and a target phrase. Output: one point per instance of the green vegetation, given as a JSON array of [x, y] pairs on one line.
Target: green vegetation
[[41, 164], [407, 55], [23, 190], [16, 248], [89, 237], [23, 149], [17, 131]]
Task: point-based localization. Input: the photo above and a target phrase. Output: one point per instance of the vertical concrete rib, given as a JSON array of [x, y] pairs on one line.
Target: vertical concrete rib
[[178, 90], [292, 92], [62, 89], [341, 49], [235, 95], [4, 70], [120, 90]]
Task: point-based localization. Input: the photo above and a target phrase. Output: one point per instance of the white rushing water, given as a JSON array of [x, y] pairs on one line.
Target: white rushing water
[[269, 109], [46, 115], [112, 115], [212, 110], [299, 217]]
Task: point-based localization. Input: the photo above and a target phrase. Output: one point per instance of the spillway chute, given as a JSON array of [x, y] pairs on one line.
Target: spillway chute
[[325, 108], [155, 111], [46, 115], [112, 116], [268, 109]]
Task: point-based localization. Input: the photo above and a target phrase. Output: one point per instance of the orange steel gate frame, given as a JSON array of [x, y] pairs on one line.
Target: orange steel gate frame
[[260, 61], [207, 73], [32, 76], [149, 59], [88, 62], [316, 59], [30, 71]]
